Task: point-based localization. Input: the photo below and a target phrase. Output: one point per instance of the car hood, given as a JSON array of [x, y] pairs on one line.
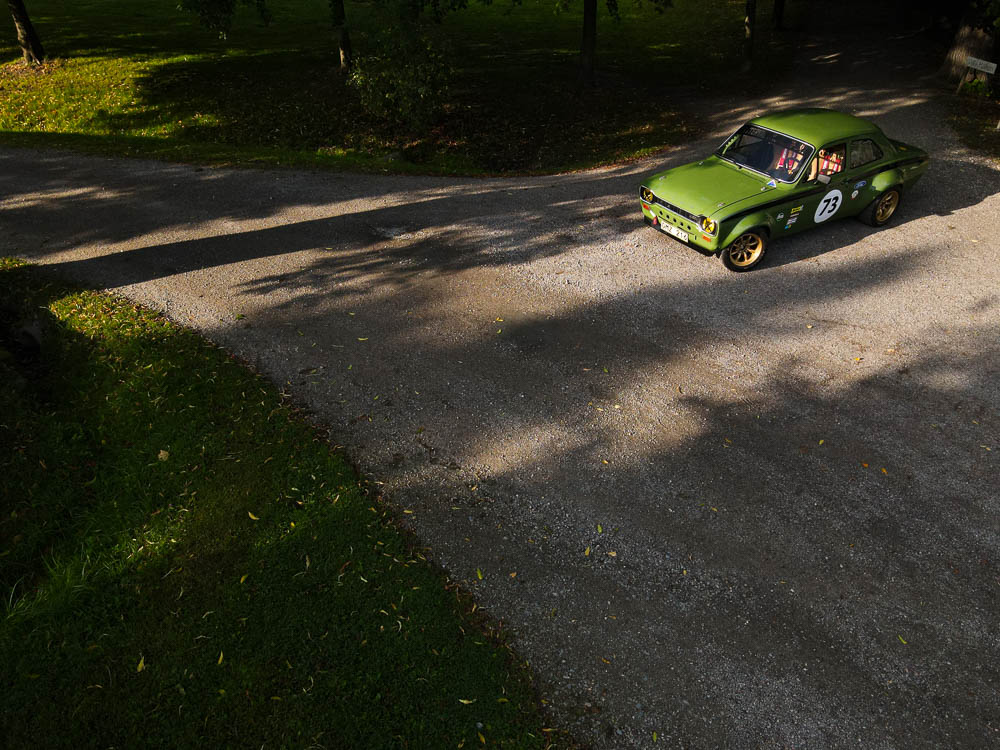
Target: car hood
[[707, 186]]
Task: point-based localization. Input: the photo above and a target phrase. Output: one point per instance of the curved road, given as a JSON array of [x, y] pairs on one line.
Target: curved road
[[754, 510]]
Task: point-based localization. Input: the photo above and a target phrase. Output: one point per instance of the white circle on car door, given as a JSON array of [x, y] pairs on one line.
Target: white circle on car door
[[828, 205]]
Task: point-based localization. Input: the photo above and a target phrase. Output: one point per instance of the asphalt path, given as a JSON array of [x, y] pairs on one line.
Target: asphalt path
[[736, 510]]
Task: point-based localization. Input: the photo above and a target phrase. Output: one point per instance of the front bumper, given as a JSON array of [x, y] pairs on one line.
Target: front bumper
[[660, 218]]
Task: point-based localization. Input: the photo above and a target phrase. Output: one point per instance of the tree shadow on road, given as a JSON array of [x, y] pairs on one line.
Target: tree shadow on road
[[798, 546]]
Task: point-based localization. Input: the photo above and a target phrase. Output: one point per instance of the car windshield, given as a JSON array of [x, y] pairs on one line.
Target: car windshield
[[778, 156]]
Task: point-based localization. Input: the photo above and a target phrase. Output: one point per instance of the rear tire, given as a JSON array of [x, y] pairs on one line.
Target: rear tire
[[882, 209], [745, 252]]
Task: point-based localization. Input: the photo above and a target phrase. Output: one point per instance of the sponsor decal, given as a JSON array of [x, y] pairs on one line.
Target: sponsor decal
[[772, 183], [828, 205], [854, 195], [779, 217], [791, 220], [859, 185], [796, 209]]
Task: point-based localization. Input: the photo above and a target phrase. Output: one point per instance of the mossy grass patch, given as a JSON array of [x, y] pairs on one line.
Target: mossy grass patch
[[185, 562]]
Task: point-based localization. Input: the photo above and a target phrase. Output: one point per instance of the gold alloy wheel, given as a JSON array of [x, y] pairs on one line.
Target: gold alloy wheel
[[886, 206], [746, 250]]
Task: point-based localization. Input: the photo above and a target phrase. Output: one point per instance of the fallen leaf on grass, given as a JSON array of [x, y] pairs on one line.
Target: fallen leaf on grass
[[466, 701], [252, 516], [142, 664], [163, 455], [220, 659]]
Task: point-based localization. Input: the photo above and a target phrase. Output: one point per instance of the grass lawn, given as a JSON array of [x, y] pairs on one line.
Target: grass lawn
[[185, 563], [141, 77]]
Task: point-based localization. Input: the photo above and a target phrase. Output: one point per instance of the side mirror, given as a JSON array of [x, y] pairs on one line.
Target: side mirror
[[823, 179]]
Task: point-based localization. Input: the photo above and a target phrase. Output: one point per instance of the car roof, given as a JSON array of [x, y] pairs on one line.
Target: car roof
[[816, 126]]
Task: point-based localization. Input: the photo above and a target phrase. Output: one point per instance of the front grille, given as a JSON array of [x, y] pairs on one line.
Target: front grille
[[672, 208]]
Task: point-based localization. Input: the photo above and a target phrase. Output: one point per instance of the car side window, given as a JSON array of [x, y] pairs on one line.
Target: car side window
[[864, 152], [828, 161]]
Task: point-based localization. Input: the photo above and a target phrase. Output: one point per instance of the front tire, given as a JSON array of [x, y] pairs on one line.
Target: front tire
[[882, 209], [745, 252]]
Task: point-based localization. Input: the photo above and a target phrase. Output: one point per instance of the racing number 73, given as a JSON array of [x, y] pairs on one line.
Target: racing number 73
[[828, 206]]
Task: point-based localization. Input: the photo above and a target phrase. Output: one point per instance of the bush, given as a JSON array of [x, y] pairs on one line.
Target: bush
[[976, 87], [405, 80]]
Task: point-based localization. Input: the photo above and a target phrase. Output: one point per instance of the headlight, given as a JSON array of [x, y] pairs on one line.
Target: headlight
[[708, 225], [646, 194]]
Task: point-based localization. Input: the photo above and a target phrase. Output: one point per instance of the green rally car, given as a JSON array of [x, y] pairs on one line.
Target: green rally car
[[777, 175]]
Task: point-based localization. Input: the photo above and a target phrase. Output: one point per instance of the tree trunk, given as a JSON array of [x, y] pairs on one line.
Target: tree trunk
[[969, 42], [749, 24], [995, 79], [339, 18], [779, 15], [27, 37], [588, 45]]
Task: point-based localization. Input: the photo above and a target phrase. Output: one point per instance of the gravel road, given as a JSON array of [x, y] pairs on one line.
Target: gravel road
[[754, 510]]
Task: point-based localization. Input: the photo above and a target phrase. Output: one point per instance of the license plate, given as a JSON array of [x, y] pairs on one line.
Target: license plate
[[672, 230]]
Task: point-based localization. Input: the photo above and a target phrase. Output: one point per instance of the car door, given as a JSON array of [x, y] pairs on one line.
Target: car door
[[865, 156], [820, 194]]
